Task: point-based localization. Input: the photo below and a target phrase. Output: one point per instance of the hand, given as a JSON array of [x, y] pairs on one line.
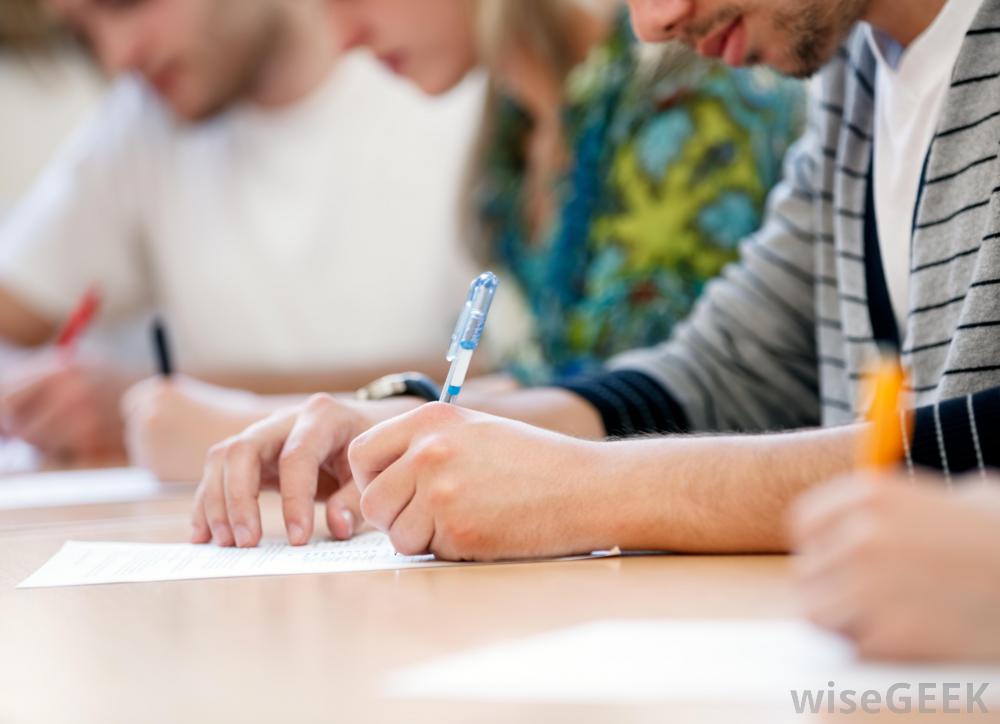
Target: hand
[[468, 486], [302, 451], [65, 405], [908, 571], [170, 424]]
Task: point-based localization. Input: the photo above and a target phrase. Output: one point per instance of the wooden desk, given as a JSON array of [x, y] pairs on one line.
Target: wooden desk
[[314, 648]]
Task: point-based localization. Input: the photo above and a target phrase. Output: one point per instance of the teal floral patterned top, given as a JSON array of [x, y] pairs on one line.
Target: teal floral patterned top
[[670, 170]]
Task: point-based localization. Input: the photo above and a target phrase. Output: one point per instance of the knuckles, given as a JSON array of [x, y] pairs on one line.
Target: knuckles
[[439, 413], [239, 448], [321, 404], [458, 537], [434, 451]]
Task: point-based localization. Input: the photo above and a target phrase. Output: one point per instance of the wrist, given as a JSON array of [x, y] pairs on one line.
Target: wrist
[[616, 508]]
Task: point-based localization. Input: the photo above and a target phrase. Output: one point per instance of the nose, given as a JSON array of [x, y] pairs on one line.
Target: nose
[[657, 21]]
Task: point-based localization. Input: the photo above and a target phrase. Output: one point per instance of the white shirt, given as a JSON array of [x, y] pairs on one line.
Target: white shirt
[[270, 240], [911, 85]]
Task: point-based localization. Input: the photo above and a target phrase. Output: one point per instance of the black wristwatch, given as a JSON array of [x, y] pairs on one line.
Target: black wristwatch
[[406, 384]]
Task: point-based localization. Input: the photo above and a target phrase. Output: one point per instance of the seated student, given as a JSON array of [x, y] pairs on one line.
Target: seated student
[[885, 229], [221, 184], [611, 190], [908, 570]]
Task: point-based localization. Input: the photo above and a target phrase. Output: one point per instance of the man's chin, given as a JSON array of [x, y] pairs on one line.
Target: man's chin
[[190, 110], [791, 67]]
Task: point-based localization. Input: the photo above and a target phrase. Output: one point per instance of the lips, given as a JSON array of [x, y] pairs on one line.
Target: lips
[[729, 43]]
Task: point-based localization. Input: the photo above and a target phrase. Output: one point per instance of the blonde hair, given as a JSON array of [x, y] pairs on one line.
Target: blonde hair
[[536, 28]]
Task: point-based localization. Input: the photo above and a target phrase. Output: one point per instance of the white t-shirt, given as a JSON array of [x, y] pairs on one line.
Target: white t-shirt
[[270, 240], [911, 85]]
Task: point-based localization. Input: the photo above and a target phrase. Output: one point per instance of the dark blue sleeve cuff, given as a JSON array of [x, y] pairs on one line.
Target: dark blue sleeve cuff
[[958, 435], [630, 403]]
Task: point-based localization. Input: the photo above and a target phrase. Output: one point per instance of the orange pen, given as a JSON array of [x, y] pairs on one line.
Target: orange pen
[[883, 446]]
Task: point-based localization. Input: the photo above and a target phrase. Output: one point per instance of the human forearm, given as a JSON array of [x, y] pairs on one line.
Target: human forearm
[[550, 408], [712, 494]]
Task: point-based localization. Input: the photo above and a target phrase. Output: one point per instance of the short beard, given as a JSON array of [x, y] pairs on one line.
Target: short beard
[[816, 30]]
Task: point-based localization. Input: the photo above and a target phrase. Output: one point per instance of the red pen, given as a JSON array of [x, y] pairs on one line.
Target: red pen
[[79, 319]]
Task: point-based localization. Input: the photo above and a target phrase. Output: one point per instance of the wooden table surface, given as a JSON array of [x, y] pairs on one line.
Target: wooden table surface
[[315, 648]]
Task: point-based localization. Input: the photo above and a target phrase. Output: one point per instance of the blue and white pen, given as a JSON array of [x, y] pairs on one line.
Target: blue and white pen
[[468, 332]]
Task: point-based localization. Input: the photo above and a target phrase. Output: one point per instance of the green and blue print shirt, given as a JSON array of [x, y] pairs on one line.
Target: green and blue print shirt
[[669, 171]]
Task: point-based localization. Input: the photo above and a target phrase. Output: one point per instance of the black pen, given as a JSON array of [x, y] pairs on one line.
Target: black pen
[[162, 346]]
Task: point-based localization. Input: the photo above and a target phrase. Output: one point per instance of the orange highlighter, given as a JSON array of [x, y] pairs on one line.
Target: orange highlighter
[[883, 447]]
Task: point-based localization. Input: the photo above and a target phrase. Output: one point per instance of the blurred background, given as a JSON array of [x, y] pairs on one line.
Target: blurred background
[[400, 164], [47, 88], [300, 192]]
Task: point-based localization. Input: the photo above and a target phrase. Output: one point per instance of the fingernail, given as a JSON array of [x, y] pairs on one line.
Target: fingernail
[[296, 534], [243, 537], [348, 517]]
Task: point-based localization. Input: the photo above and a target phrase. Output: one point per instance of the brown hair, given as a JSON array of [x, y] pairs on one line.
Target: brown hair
[[25, 26]]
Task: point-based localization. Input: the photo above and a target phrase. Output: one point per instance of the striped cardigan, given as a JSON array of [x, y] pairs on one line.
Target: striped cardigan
[[781, 340]]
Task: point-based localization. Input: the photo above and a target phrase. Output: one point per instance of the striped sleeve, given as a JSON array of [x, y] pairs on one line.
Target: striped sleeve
[[957, 435]]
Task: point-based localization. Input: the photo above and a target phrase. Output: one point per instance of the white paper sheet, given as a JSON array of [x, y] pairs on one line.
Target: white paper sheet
[[80, 564], [699, 660], [83, 487]]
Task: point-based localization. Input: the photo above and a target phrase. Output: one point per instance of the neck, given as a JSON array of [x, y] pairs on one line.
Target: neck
[[302, 58], [904, 22]]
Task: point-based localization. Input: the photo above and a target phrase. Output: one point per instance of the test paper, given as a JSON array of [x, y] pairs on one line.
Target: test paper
[[83, 563]]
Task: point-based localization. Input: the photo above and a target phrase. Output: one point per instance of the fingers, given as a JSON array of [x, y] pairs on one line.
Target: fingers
[[211, 498], [241, 491], [200, 530], [321, 430], [822, 509], [21, 404], [297, 444], [412, 531], [59, 423], [386, 496], [230, 486], [833, 605], [21, 390], [376, 449], [139, 395], [343, 512]]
